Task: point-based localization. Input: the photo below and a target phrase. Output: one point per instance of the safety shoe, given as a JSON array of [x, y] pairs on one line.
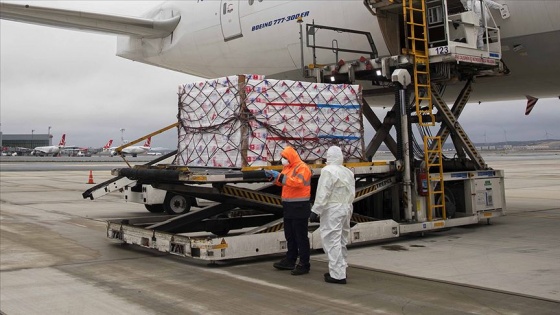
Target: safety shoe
[[284, 264], [330, 279], [300, 270]]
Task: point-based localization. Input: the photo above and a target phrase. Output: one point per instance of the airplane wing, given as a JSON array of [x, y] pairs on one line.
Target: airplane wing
[[105, 23]]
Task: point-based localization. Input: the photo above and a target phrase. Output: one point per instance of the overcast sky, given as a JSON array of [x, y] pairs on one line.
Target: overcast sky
[[73, 82]]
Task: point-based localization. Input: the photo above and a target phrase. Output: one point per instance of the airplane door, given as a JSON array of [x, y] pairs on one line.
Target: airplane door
[[229, 18]]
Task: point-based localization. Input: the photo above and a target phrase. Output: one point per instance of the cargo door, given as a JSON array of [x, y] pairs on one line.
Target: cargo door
[[229, 18]]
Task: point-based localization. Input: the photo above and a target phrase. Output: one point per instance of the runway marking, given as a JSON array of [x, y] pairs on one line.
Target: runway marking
[[534, 216], [78, 225], [364, 309]]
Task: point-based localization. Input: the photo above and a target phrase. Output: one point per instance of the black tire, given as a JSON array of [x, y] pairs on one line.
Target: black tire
[[220, 232], [176, 203], [450, 205], [157, 208], [220, 228]]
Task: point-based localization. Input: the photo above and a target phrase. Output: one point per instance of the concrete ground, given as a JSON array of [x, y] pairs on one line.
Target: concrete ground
[[517, 253], [55, 259]]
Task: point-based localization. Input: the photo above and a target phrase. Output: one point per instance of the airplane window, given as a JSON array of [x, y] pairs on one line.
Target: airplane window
[[251, 2], [225, 8]]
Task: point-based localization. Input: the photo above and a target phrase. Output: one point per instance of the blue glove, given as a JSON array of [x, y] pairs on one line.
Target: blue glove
[[272, 174]]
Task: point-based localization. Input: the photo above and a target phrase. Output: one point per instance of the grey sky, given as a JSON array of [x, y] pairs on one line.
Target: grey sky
[[73, 81]]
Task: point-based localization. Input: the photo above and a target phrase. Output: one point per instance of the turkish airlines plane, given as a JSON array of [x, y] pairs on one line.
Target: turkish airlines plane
[[135, 150], [107, 146], [219, 38], [51, 149]]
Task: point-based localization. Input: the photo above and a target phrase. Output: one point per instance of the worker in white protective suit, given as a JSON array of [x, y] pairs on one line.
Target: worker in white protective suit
[[476, 7], [333, 208]]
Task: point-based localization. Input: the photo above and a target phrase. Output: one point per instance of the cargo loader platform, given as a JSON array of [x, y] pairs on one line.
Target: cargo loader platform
[[246, 220]]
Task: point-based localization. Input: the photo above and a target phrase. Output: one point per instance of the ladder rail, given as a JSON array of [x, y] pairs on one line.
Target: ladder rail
[[433, 202], [419, 49]]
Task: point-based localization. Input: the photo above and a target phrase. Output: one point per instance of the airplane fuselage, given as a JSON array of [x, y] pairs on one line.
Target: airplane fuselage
[[261, 38], [48, 150], [220, 38], [228, 37]]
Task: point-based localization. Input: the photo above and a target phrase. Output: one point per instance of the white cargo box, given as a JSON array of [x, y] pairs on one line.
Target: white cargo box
[[243, 120]]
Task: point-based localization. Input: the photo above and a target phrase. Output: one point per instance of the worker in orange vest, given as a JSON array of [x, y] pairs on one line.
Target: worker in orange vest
[[295, 180]]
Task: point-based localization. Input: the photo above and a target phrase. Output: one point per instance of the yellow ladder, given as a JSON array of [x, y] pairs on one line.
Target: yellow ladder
[[414, 12], [436, 193]]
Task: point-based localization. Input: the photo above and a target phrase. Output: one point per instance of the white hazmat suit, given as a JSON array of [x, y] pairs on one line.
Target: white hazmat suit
[[333, 204], [475, 6]]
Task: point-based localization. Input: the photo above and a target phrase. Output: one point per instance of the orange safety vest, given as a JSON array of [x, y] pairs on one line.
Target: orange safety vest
[[295, 178]]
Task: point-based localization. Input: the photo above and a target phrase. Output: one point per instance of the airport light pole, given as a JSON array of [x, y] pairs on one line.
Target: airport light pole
[[49, 135], [505, 138], [122, 136], [32, 131]]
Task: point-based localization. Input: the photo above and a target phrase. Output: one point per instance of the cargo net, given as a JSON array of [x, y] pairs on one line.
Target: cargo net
[[240, 121]]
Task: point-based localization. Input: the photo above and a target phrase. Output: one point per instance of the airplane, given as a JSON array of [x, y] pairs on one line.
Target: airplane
[[134, 150], [53, 150], [219, 38], [90, 151], [107, 146]]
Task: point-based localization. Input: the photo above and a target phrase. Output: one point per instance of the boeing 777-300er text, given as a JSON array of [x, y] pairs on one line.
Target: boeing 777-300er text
[[219, 38]]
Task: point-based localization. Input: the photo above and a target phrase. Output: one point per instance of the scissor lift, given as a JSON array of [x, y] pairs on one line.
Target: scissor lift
[[247, 222], [244, 222], [246, 219]]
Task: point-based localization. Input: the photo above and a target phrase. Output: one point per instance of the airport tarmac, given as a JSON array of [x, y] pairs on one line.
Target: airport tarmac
[[55, 258]]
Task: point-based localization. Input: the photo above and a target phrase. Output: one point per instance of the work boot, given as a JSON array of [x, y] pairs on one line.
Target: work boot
[[327, 274], [300, 270], [330, 279], [285, 264]]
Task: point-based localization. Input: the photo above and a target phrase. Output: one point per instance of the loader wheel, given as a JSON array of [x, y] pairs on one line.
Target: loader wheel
[[176, 204], [220, 228], [157, 208]]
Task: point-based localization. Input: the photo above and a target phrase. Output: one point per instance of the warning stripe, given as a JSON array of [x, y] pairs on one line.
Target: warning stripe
[[274, 228], [358, 218], [531, 101], [374, 188], [252, 195]]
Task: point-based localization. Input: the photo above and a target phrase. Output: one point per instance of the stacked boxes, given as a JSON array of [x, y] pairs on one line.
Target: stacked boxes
[[240, 121]]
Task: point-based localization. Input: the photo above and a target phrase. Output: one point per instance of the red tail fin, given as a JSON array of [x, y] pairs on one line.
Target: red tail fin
[[62, 141], [148, 143], [108, 145]]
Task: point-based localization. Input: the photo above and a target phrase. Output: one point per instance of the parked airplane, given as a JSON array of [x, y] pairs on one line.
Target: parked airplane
[[87, 152], [107, 146], [134, 150], [219, 38], [51, 149]]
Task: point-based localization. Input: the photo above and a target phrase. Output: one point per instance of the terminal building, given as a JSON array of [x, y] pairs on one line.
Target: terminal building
[[13, 142]]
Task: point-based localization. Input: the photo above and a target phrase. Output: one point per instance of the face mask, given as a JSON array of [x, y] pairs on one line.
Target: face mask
[[285, 162]]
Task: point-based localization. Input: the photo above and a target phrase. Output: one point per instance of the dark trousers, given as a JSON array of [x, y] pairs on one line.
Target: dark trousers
[[295, 231]]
